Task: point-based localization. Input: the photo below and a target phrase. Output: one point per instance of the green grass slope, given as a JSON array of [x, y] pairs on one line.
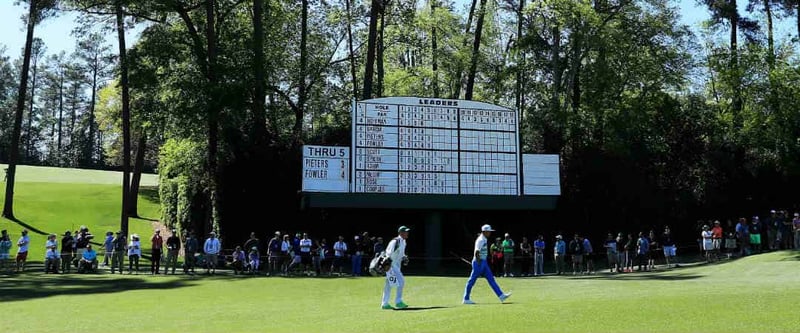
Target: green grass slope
[[51, 201], [755, 294], [34, 174]]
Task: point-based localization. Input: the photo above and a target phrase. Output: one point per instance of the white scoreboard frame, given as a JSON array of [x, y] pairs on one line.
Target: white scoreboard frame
[[449, 103]]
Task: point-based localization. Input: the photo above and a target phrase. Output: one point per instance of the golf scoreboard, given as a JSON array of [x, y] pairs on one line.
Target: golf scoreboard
[[434, 146], [414, 145]]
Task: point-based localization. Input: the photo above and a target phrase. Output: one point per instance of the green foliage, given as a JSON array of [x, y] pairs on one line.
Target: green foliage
[[181, 177]]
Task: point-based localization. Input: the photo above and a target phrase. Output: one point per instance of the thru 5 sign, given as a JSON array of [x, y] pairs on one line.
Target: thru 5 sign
[[326, 169]]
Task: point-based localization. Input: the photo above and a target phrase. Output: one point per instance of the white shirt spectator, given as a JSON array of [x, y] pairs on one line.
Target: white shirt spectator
[[134, 248], [340, 248], [305, 245], [23, 243], [212, 246], [708, 243], [51, 247]]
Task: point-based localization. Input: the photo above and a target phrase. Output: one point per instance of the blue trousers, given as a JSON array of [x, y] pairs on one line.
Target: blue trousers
[[356, 265], [477, 271]]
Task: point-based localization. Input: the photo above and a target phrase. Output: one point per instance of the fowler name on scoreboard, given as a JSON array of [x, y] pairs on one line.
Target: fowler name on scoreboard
[[326, 169]]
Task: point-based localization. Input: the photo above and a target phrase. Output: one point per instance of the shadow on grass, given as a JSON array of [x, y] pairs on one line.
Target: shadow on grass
[[30, 286], [27, 226], [150, 193], [638, 276], [794, 257], [424, 308]]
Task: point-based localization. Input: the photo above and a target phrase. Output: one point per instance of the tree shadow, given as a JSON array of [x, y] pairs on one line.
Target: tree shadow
[[38, 285], [150, 193], [793, 257], [27, 226], [639, 276]]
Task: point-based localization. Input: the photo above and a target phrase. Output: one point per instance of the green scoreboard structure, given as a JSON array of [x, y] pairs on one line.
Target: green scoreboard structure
[[430, 154]]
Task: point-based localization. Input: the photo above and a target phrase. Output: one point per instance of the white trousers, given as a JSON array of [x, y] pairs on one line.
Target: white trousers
[[387, 288]]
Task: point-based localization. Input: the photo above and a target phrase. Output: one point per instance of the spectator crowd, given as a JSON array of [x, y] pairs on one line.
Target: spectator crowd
[[299, 255]]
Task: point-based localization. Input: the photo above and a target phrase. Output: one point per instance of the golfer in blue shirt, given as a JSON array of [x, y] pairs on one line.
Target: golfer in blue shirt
[[481, 267]]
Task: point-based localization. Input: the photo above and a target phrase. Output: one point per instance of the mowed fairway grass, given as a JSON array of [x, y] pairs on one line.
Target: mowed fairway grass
[[54, 200], [754, 294]]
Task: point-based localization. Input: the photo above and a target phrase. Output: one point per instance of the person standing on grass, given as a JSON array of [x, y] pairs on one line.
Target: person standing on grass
[[107, 248], [189, 251], [642, 247], [588, 254], [669, 247], [274, 253], [305, 253], [560, 253], [621, 242], [22, 250], [743, 234], [67, 250], [716, 238], [538, 256], [611, 253], [708, 243], [631, 250], [117, 252], [576, 248], [173, 248], [654, 251], [508, 255], [796, 226], [396, 251], [156, 244], [339, 252], [134, 253], [5, 250], [211, 248], [252, 241], [481, 268], [755, 235], [526, 256]]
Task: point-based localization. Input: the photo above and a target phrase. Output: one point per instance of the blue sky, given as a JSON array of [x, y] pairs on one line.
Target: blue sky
[[56, 32]]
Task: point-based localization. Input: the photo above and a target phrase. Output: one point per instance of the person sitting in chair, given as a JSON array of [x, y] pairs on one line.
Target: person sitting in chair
[[255, 260], [88, 261], [239, 260]]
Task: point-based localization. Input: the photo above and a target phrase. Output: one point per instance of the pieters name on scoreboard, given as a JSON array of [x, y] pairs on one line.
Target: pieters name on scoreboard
[[437, 102]]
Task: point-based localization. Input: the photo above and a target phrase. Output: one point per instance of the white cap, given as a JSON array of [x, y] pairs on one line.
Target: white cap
[[486, 227], [507, 234]]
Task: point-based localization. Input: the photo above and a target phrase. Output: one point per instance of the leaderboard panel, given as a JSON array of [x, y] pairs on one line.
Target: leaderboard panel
[[431, 146]]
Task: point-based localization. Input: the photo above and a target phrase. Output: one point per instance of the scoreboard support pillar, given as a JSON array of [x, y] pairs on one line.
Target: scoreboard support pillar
[[433, 240]]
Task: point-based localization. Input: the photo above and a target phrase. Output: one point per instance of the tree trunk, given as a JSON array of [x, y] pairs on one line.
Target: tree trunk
[[379, 53], [11, 172], [473, 68], [136, 179], [734, 66], [60, 113], [126, 119], [371, 37], [29, 130], [299, 111], [460, 72], [520, 102], [434, 50], [259, 96], [770, 38], [213, 121], [91, 135], [350, 46]]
